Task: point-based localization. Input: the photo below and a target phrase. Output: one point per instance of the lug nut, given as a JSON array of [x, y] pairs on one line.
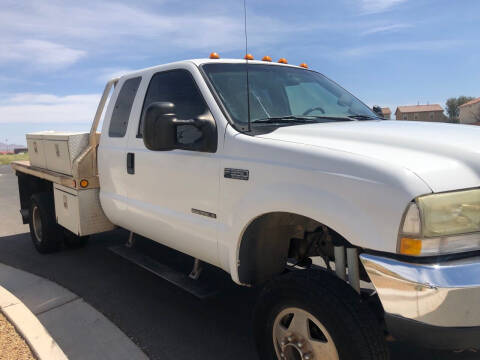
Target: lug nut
[[300, 344], [308, 356], [290, 338]]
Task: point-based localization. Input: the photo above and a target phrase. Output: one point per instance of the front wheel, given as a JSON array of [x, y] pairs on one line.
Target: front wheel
[[311, 314]]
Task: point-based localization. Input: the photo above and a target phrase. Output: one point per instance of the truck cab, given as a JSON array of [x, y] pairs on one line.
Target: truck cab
[[154, 193], [285, 180]]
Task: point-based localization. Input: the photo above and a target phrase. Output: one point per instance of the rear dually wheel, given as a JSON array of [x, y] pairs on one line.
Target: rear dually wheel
[[45, 232]]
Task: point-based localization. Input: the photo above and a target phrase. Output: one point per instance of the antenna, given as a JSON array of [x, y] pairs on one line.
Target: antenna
[[246, 59]]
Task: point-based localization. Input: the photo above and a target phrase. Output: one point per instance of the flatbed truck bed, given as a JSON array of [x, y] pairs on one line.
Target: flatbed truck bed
[[55, 177]]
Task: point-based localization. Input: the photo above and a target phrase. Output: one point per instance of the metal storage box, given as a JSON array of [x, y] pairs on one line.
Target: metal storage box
[[59, 149], [36, 151], [80, 211]]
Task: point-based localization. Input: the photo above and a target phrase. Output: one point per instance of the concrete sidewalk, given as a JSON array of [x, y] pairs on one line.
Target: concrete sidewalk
[[79, 330]]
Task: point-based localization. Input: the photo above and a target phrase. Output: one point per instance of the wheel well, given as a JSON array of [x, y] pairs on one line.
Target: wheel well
[[27, 186], [271, 239]]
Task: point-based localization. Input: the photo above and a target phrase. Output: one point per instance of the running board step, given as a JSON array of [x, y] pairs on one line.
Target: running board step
[[197, 288]]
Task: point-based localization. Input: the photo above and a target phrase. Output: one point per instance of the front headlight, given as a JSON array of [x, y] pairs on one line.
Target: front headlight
[[441, 224]]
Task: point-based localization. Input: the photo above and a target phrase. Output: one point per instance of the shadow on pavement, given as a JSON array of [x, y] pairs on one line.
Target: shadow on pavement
[[165, 321]]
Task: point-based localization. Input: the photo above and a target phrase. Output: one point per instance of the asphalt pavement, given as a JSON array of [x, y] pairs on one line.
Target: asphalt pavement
[[163, 320]]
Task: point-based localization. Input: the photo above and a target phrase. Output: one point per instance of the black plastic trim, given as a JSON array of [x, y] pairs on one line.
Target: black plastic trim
[[433, 337], [130, 163]]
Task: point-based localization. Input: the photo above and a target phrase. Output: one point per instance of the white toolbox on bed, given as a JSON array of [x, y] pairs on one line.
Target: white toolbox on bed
[[36, 151], [80, 211], [55, 150]]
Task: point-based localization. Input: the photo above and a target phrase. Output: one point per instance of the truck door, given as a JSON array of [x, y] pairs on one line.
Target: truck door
[[111, 151], [173, 196]]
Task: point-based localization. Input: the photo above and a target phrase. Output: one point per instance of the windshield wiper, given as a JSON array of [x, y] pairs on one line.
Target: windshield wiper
[[296, 119], [284, 119], [363, 117]]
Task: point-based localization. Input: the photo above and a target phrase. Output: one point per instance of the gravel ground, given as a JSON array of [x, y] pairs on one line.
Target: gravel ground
[[12, 346]]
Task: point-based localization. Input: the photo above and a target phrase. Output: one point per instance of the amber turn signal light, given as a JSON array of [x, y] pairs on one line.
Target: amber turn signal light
[[214, 55], [409, 246], [283, 61], [83, 183], [266, 58]]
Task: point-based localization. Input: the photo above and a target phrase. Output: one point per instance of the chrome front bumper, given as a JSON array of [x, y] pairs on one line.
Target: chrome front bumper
[[446, 294]]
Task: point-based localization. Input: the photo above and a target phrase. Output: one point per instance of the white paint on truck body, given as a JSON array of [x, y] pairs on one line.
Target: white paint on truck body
[[355, 177]]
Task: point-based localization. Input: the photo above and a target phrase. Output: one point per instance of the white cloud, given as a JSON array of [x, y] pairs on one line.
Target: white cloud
[[386, 28], [48, 108], [377, 6], [375, 49], [43, 54], [100, 27]]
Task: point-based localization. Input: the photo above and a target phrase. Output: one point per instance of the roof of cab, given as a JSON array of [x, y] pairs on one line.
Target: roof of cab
[[237, 61], [199, 62]]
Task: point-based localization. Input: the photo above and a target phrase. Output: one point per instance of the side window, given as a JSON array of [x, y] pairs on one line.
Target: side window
[[179, 88], [123, 107]]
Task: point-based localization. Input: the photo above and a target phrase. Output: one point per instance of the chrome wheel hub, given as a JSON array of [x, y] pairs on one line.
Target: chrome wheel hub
[[293, 348], [298, 335], [37, 223]]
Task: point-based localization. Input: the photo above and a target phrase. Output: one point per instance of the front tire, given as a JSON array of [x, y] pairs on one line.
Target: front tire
[[311, 314], [44, 230]]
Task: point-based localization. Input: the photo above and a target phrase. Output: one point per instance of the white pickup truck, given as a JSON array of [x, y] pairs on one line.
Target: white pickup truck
[[260, 185]]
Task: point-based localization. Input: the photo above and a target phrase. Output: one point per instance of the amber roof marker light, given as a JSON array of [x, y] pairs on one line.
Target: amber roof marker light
[[267, 58], [249, 57], [214, 55], [304, 65], [283, 61]]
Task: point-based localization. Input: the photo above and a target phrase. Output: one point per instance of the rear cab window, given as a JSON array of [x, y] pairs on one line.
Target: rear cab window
[[123, 107]]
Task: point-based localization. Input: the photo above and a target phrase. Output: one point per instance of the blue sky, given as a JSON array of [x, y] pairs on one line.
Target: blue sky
[[55, 56]]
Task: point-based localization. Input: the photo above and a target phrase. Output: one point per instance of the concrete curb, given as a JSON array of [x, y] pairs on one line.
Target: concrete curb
[[41, 343], [80, 330]]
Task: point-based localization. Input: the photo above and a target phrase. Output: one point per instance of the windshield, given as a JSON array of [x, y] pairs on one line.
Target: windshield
[[281, 92]]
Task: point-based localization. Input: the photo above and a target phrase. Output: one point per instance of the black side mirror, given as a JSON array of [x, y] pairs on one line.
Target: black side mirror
[[159, 131], [377, 110], [162, 131]]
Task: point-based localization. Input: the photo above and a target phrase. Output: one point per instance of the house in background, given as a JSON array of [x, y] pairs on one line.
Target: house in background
[[386, 113], [470, 112], [421, 113]]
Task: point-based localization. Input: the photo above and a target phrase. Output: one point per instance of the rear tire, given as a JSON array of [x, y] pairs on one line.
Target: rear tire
[[44, 230], [312, 314]]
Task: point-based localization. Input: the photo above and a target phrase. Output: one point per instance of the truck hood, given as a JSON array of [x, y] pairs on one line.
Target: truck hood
[[445, 156]]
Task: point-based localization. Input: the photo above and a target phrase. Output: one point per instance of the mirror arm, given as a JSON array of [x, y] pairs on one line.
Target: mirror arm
[[184, 122], [198, 123]]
